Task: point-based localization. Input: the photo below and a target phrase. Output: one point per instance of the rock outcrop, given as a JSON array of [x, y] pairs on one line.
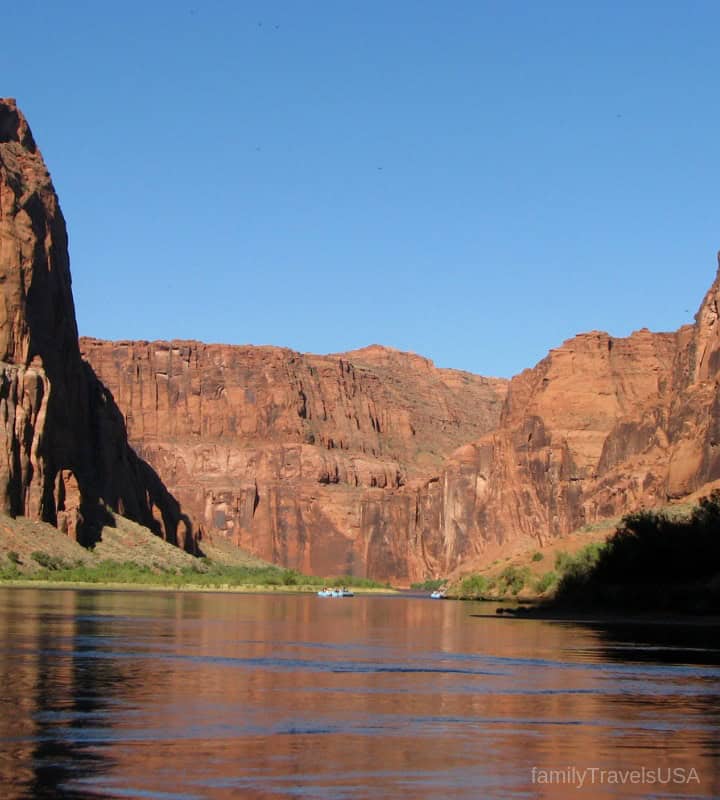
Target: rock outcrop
[[64, 456], [601, 427], [343, 463], [292, 456], [372, 462]]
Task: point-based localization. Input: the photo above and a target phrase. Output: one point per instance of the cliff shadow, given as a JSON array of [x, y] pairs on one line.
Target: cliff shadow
[[93, 471], [129, 484]]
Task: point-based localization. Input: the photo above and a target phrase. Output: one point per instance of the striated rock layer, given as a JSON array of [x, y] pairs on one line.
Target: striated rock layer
[[372, 462], [294, 457], [335, 463], [64, 454], [600, 427]]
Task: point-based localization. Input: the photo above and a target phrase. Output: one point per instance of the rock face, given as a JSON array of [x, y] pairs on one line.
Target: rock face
[[576, 443], [294, 456], [602, 426], [335, 464], [372, 462], [64, 454]]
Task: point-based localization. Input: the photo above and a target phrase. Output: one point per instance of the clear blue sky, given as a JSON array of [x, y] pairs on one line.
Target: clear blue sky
[[473, 181]]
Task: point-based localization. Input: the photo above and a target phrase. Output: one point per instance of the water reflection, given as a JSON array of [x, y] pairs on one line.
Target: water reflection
[[51, 693], [213, 696]]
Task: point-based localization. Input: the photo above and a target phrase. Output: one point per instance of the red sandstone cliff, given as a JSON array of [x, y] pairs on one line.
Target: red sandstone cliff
[[333, 463], [602, 426], [290, 455], [63, 449], [372, 462]]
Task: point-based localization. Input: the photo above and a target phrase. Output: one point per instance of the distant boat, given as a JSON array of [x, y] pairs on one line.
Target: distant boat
[[438, 594], [335, 593]]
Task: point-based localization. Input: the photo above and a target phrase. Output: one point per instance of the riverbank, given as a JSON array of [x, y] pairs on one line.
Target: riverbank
[[130, 557], [663, 560], [185, 587]]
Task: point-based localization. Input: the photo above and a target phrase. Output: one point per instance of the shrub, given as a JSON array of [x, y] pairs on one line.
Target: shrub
[[562, 559], [538, 556], [47, 561], [13, 557], [290, 577], [513, 579], [351, 580], [653, 560], [650, 548], [430, 585], [196, 568], [545, 582], [200, 573], [474, 586], [9, 573]]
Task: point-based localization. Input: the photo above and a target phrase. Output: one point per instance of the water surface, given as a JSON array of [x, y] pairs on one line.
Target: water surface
[[172, 695]]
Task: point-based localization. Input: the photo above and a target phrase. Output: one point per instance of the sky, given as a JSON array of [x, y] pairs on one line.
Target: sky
[[472, 181]]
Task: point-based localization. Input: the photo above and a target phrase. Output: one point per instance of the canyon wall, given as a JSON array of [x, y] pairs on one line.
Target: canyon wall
[[600, 427], [297, 458], [377, 463], [372, 462], [64, 456]]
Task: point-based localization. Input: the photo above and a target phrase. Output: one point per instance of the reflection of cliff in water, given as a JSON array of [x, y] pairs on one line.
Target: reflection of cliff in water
[[687, 641], [690, 643], [57, 706], [271, 695]]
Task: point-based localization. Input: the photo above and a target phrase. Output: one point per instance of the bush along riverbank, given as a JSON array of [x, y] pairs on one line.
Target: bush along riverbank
[[429, 585], [654, 561], [518, 582], [203, 575]]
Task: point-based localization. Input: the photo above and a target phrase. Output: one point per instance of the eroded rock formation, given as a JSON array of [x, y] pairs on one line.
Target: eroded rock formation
[[372, 462], [64, 454], [343, 463], [295, 457], [602, 426]]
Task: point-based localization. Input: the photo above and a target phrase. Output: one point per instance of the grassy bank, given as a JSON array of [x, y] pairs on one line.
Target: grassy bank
[[38, 583], [205, 574], [130, 556], [519, 582]]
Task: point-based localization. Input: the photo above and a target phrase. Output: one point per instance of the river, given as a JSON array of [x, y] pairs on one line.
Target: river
[[200, 695]]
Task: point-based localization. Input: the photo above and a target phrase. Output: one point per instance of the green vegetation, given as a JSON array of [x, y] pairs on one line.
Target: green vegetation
[[601, 525], [476, 586], [204, 573], [653, 561], [578, 563], [512, 580], [546, 582], [13, 557], [430, 585], [10, 573], [47, 561], [509, 582]]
